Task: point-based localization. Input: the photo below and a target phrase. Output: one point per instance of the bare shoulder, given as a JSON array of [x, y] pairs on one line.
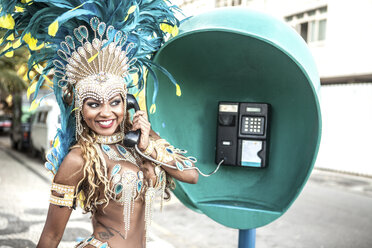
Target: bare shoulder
[[75, 157], [70, 171]]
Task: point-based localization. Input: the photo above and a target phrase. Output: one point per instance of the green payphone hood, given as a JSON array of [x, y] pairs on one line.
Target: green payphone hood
[[237, 55]]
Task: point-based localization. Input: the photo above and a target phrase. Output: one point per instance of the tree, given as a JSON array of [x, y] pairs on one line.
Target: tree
[[11, 81]]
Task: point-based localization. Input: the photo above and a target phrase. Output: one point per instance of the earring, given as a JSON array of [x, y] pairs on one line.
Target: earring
[[78, 124], [122, 124]]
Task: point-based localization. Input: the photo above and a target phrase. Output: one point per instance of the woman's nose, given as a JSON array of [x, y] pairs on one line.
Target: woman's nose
[[106, 110]]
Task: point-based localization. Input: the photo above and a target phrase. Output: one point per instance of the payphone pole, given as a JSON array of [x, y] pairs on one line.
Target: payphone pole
[[247, 238]]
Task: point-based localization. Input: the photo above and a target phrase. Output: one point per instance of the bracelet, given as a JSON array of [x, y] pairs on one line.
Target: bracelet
[[61, 201], [62, 189], [164, 153], [150, 148], [68, 195]]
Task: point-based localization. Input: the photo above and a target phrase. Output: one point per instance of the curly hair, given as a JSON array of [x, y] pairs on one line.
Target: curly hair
[[170, 185], [94, 174]]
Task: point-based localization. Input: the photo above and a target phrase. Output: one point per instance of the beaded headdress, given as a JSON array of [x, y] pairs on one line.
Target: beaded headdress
[[93, 48], [95, 69]]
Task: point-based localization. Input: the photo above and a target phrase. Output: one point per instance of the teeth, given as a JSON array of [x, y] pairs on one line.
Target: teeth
[[105, 123]]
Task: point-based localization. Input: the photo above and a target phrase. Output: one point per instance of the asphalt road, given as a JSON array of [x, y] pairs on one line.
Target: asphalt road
[[334, 210]]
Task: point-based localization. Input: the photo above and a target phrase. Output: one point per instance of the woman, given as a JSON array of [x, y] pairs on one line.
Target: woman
[[97, 49], [82, 169]]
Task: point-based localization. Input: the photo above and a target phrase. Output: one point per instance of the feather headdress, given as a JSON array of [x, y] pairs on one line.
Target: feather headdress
[[56, 33]]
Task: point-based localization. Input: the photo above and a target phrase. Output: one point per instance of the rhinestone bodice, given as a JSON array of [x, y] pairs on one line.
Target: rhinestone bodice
[[128, 181], [126, 174], [123, 172], [125, 182]]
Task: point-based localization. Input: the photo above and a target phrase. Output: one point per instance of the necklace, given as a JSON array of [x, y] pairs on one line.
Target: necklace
[[125, 155], [111, 139]]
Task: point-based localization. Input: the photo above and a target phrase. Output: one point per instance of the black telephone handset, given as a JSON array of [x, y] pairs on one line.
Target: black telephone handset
[[132, 137]]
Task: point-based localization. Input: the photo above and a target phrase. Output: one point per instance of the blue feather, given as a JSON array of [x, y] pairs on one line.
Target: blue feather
[[141, 26]]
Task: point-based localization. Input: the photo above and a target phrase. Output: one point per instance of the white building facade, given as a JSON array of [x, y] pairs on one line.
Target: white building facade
[[339, 35], [338, 32]]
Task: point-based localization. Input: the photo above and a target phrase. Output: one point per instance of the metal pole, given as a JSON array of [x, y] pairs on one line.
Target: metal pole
[[247, 238]]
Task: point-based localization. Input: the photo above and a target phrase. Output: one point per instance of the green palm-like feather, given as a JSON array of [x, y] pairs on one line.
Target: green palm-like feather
[[141, 25]]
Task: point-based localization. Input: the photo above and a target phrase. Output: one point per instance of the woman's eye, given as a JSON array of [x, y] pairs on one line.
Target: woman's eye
[[93, 104], [116, 102]]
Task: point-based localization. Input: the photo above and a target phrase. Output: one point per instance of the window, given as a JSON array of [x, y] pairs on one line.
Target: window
[[311, 24], [236, 2], [224, 3], [39, 116], [304, 30], [312, 33], [322, 29], [42, 116]]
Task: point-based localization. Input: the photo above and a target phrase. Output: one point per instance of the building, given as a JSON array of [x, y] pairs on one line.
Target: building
[[194, 7], [339, 35], [338, 32]]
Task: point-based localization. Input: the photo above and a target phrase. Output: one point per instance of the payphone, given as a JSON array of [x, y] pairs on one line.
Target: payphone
[[282, 73], [242, 134]]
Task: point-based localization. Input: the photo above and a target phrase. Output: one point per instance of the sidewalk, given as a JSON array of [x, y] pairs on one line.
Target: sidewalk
[[24, 204], [334, 210]]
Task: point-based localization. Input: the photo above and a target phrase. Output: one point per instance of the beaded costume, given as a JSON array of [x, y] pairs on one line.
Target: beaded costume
[[94, 49], [126, 186], [91, 48]]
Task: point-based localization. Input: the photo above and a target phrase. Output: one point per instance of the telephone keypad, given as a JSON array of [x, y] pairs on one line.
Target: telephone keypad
[[253, 125]]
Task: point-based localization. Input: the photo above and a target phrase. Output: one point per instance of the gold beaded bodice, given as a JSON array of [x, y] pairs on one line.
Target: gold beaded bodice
[[128, 182]]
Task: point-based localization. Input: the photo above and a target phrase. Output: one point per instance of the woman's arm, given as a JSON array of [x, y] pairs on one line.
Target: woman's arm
[[69, 174], [187, 176], [54, 226], [141, 122]]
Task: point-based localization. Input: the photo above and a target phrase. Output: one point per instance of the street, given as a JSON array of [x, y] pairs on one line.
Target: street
[[334, 210]]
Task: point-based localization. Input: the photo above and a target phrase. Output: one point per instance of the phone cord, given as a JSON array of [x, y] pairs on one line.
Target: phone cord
[[174, 167]]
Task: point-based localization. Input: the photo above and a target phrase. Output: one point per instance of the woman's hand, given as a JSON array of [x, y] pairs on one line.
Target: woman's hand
[[140, 122]]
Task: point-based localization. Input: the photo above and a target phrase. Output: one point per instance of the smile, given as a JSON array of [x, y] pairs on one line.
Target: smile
[[106, 124]]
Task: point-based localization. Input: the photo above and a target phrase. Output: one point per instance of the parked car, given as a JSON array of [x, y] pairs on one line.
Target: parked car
[[21, 128], [5, 123], [44, 125]]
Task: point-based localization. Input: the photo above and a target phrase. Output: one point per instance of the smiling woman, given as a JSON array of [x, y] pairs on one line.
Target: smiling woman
[[95, 49], [111, 181], [103, 118], [94, 56]]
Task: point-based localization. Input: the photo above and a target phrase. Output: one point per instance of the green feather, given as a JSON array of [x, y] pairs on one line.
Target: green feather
[[141, 25]]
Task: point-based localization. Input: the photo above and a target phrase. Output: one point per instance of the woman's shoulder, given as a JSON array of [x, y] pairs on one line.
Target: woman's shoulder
[[74, 158], [71, 169]]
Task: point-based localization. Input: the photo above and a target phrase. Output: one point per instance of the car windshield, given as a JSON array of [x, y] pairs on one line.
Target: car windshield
[[5, 118], [26, 114]]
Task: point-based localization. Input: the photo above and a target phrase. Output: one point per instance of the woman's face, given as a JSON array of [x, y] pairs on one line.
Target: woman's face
[[104, 118]]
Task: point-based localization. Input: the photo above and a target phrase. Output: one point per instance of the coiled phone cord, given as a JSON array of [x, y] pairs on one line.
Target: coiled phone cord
[[174, 167]]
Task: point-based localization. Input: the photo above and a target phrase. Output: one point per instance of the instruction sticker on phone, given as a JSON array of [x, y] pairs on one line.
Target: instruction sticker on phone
[[250, 150]]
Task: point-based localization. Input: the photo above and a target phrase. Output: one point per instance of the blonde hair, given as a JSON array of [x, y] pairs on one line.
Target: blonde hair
[[94, 174]]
